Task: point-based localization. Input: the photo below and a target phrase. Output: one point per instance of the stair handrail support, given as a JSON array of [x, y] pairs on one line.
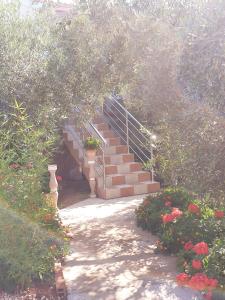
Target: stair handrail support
[[134, 140]]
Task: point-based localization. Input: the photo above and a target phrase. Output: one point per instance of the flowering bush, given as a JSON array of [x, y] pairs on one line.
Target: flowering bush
[[194, 230], [161, 208], [31, 236]]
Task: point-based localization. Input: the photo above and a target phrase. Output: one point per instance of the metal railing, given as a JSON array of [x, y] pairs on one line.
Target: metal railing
[[138, 139], [89, 130]]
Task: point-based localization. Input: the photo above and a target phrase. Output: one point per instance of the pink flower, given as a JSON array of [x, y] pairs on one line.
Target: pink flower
[[219, 214], [196, 264], [201, 282], [182, 279], [59, 178], [188, 246], [176, 213], [167, 218], [198, 282], [201, 248], [168, 203], [193, 208]]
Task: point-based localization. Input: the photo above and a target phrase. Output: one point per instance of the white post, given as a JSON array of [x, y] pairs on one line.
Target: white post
[[92, 181], [152, 168], [53, 185]]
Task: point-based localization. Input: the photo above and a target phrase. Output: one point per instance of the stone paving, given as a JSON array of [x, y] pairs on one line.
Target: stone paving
[[112, 259]]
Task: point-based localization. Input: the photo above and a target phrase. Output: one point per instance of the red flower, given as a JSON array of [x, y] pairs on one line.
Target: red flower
[[198, 282], [201, 248], [182, 279], [219, 214], [59, 178], [168, 203], [212, 283], [188, 246], [196, 264], [193, 208], [201, 282], [167, 218], [176, 213]]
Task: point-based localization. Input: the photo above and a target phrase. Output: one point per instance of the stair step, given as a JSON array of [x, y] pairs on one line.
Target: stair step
[[116, 159], [125, 190], [116, 149], [115, 141], [107, 134], [123, 168], [129, 178], [102, 126]]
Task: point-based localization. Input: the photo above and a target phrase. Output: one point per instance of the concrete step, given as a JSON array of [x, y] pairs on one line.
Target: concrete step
[[108, 134], [123, 168], [116, 159], [102, 126], [116, 149], [129, 178], [114, 141], [125, 190]]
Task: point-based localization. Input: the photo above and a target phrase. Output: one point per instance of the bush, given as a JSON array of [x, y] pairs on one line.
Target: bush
[[27, 251], [31, 235], [91, 143], [150, 211], [194, 229]]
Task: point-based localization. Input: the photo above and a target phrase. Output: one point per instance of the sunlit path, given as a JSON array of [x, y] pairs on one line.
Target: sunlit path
[[112, 259]]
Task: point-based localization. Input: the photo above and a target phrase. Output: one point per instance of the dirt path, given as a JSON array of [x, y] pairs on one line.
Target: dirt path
[[112, 259]]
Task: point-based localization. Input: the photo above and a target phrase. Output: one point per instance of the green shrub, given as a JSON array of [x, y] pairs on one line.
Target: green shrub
[[215, 262], [27, 251], [91, 143], [31, 236], [150, 211]]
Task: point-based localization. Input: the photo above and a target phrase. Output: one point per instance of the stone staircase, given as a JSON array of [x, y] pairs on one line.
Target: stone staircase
[[123, 176]]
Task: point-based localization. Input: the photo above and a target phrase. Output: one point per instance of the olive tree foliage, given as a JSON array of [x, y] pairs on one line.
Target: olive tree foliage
[[27, 45], [139, 57], [203, 61], [191, 148]]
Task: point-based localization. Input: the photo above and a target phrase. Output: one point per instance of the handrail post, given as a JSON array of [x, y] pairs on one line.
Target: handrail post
[[127, 128], [104, 175], [152, 169]]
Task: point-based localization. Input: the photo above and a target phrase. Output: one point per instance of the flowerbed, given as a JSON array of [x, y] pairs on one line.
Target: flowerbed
[[194, 230]]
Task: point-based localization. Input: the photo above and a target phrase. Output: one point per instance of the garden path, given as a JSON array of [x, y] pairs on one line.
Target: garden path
[[112, 259]]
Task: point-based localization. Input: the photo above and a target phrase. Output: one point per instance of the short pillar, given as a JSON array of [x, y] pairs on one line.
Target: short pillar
[[53, 185], [92, 181]]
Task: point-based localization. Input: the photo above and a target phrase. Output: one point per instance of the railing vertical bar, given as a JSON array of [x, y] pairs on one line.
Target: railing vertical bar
[[104, 174], [152, 169], [127, 129]]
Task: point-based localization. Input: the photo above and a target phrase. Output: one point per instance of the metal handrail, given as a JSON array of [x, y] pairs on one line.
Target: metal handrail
[[91, 130], [124, 124], [138, 155], [133, 133]]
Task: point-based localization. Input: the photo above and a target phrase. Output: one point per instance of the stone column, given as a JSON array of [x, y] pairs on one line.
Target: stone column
[[92, 181], [53, 185]]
